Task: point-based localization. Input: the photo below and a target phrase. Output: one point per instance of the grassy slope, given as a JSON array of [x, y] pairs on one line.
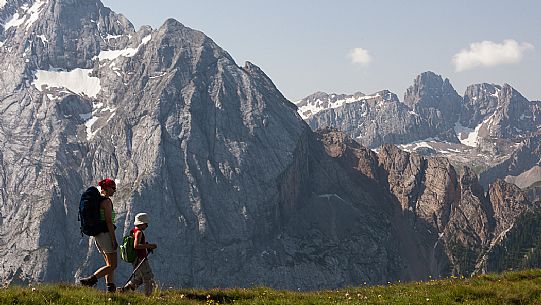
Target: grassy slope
[[522, 287]]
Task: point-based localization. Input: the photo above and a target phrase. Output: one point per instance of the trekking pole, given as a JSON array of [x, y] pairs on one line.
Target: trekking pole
[[135, 269]]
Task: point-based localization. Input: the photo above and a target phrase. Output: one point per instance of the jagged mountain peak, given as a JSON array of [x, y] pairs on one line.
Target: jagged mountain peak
[[434, 98], [510, 94], [429, 82], [46, 31], [428, 85], [482, 89], [428, 76], [173, 27]]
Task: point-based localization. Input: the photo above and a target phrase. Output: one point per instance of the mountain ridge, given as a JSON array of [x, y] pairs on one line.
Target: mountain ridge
[[482, 129]]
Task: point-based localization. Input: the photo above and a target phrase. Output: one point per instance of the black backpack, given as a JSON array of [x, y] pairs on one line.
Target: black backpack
[[89, 213]]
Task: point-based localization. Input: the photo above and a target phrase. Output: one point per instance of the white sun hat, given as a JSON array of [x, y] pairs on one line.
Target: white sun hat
[[140, 219]]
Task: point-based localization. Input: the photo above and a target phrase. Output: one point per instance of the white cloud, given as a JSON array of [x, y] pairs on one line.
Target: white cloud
[[360, 56], [489, 54]]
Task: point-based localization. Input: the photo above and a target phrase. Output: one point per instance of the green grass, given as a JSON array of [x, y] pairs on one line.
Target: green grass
[[523, 287]]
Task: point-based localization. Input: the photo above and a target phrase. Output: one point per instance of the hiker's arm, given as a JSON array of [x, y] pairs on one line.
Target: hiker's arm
[[108, 211], [137, 242]]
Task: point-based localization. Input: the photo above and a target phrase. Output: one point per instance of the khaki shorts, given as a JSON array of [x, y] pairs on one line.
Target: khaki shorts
[[104, 243], [143, 274]]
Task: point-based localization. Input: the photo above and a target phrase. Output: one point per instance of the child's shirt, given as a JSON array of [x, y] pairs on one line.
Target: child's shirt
[[141, 253]]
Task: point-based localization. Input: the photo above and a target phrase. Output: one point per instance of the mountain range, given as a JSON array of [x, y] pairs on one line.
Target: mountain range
[[240, 190], [489, 128]]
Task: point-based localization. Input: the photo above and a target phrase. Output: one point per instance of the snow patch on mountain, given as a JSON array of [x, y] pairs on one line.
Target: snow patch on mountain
[[318, 105], [426, 143], [127, 52], [467, 136], [109, 36], [91, 118], [28, 17], [2, 3], [78, 81], [43, 38]]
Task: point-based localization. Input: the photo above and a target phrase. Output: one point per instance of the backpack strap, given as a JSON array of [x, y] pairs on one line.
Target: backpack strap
[[135, 230]]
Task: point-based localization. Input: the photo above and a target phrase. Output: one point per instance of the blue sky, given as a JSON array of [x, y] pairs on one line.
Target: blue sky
[[349, 46]]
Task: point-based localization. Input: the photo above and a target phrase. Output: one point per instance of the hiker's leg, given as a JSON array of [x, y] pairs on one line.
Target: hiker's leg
[[137, 278], [148, 287], [148, 277], [93, 279], [109, 269], [112, 263], [105, 246]]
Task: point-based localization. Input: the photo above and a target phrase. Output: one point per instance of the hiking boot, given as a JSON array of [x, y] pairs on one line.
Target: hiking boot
[[111, 287], [88, 281], [126, 288]]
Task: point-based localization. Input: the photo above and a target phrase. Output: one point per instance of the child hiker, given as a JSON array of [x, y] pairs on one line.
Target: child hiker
[[142, 272]]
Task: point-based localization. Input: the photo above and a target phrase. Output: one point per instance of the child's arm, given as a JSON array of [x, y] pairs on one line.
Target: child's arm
[[137, 242]]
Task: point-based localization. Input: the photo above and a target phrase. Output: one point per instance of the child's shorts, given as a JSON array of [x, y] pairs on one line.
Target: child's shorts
[[144, 273]]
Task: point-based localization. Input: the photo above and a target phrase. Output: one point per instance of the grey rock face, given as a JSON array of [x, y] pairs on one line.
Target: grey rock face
[[534, 192], [518, 116], [522, 160], [502, 111]]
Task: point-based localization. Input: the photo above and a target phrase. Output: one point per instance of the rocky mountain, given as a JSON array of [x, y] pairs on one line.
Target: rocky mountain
[[428, 111], [440, 217], [239, 189], [487, 129], [502, 111], [193, 139], [434, 100]]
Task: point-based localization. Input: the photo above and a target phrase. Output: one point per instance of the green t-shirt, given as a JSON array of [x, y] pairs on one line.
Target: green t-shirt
[[102, 215]]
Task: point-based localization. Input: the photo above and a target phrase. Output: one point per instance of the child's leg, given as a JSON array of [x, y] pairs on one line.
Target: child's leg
[[148, 287], [147, 276], [137, 278]]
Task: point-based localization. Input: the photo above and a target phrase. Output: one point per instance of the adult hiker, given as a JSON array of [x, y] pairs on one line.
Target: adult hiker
[[106, 240], [142, 274]]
